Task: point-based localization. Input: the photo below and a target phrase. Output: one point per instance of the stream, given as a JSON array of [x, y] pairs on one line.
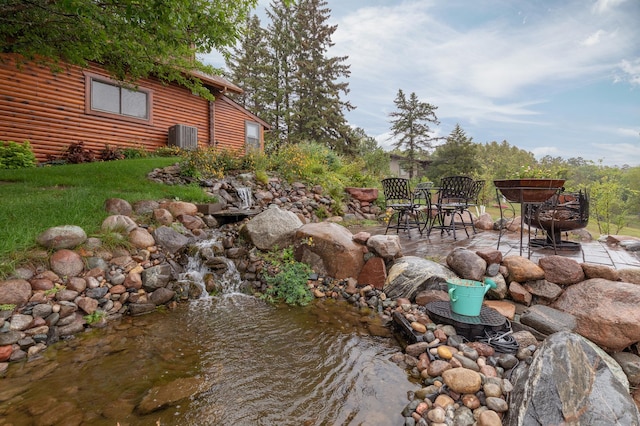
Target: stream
[[237, 359]]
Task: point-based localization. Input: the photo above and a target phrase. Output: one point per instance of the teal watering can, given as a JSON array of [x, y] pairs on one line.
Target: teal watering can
[[466, 296]]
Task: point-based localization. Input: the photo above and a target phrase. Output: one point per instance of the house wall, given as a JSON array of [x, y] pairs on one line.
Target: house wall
[[48, 110]]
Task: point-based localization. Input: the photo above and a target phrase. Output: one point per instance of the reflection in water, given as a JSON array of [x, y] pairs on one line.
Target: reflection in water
[[256, 364]]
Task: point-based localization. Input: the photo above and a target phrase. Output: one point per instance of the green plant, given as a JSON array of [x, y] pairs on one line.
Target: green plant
[[7, 306], [134, 152], [95, 317], [16, 156], [57, 288], [168, 151], [289, 284]]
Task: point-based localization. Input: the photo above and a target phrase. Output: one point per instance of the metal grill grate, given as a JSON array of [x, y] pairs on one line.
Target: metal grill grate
[[470, 327]]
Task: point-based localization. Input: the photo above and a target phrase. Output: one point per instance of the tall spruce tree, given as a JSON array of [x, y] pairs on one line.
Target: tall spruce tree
[[279, 80], [410, 127], [249, 66], [320, 80], [301, 86]]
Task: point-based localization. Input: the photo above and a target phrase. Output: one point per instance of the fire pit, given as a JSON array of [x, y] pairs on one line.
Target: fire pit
[[561, 213]]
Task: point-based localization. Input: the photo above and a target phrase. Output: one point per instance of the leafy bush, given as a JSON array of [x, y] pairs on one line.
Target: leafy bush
[[290, 284], [205, 163], [134, 152], [77, 153], [16, 156], [168, 151], [111, 153]]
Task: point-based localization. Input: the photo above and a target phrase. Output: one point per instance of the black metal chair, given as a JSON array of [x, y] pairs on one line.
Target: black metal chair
[[472, 201], [452, 203], [399, 201]]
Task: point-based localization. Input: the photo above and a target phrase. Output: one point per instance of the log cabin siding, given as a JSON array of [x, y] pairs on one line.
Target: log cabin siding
[[48, 110]]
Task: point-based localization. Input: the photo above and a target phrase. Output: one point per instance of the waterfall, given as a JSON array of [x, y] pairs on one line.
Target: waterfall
[[208, 262], [245, 196]]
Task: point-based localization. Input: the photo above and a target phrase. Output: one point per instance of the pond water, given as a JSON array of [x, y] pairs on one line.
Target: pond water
[[240, 360]]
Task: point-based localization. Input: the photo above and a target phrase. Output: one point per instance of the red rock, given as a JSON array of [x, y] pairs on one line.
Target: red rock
[[374, 273], [5, 352], [519, 293]]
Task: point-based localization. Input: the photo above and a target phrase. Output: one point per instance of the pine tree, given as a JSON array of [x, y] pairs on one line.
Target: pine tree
[[248, 65], [457, 156], [279, 80], [410, 127], [320, 80]]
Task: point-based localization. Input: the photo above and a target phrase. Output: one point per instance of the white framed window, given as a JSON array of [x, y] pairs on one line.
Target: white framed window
[[252, 135], [106, 97]]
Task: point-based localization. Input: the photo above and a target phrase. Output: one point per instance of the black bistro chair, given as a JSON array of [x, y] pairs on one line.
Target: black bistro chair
[[453, 203], [399, 201]]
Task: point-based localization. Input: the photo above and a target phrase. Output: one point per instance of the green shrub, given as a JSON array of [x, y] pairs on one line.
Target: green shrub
[[16, 156], [134, 152], [205, 163], [168, 151], [290, 284]]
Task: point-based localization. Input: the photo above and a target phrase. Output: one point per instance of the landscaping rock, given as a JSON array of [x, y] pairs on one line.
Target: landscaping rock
[[411, 274], [547, 320], [606, 311], [467, 264], [386, 246], [118, 206], [15, 292], [576, 384], [170, 239], [522, 270], [561, 270], [273, 227], [66, 263], [329, 249], [59, 237]]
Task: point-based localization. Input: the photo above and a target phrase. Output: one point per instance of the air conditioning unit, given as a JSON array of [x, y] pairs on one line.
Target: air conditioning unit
[[182, 136]]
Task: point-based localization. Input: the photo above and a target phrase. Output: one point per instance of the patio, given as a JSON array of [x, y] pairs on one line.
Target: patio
[[437, 247]]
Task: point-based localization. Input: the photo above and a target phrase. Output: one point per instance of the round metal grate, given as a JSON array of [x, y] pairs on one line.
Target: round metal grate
[[441, 311]]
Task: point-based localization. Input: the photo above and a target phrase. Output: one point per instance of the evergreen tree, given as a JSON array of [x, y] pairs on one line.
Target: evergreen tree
[[299, 88], [410, 127], [279, 80], [248, 65], [320, 80], [457, 156]]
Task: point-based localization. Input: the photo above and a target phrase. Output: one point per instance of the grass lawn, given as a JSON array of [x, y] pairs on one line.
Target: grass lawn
[[34, 200]]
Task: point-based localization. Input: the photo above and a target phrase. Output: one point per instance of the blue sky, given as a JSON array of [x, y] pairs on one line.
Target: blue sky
[[559, 78]]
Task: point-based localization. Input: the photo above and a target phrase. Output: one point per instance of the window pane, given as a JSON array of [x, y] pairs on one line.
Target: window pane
[[134, 103], [252, 131], [105, 97]]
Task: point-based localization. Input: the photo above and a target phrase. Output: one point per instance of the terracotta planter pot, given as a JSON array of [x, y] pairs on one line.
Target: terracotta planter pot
[[528, 190]]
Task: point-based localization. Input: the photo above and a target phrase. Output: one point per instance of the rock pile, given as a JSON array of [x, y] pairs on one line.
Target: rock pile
[[553, 306]]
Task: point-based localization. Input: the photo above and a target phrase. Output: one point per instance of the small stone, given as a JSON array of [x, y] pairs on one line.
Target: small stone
[[492, 389], [437, 415], [446, 352], [462, 380], [489, 418], [497, 404], [471, 401], [437, 367], [419, 327], [444, 400]]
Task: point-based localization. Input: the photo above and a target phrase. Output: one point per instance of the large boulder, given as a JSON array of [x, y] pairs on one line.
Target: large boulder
[[467, 264], [570, 381], [59, 237], [561, 270], [606, 311], [409, 275], [329, 249], [273, 227], [522, 269]]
